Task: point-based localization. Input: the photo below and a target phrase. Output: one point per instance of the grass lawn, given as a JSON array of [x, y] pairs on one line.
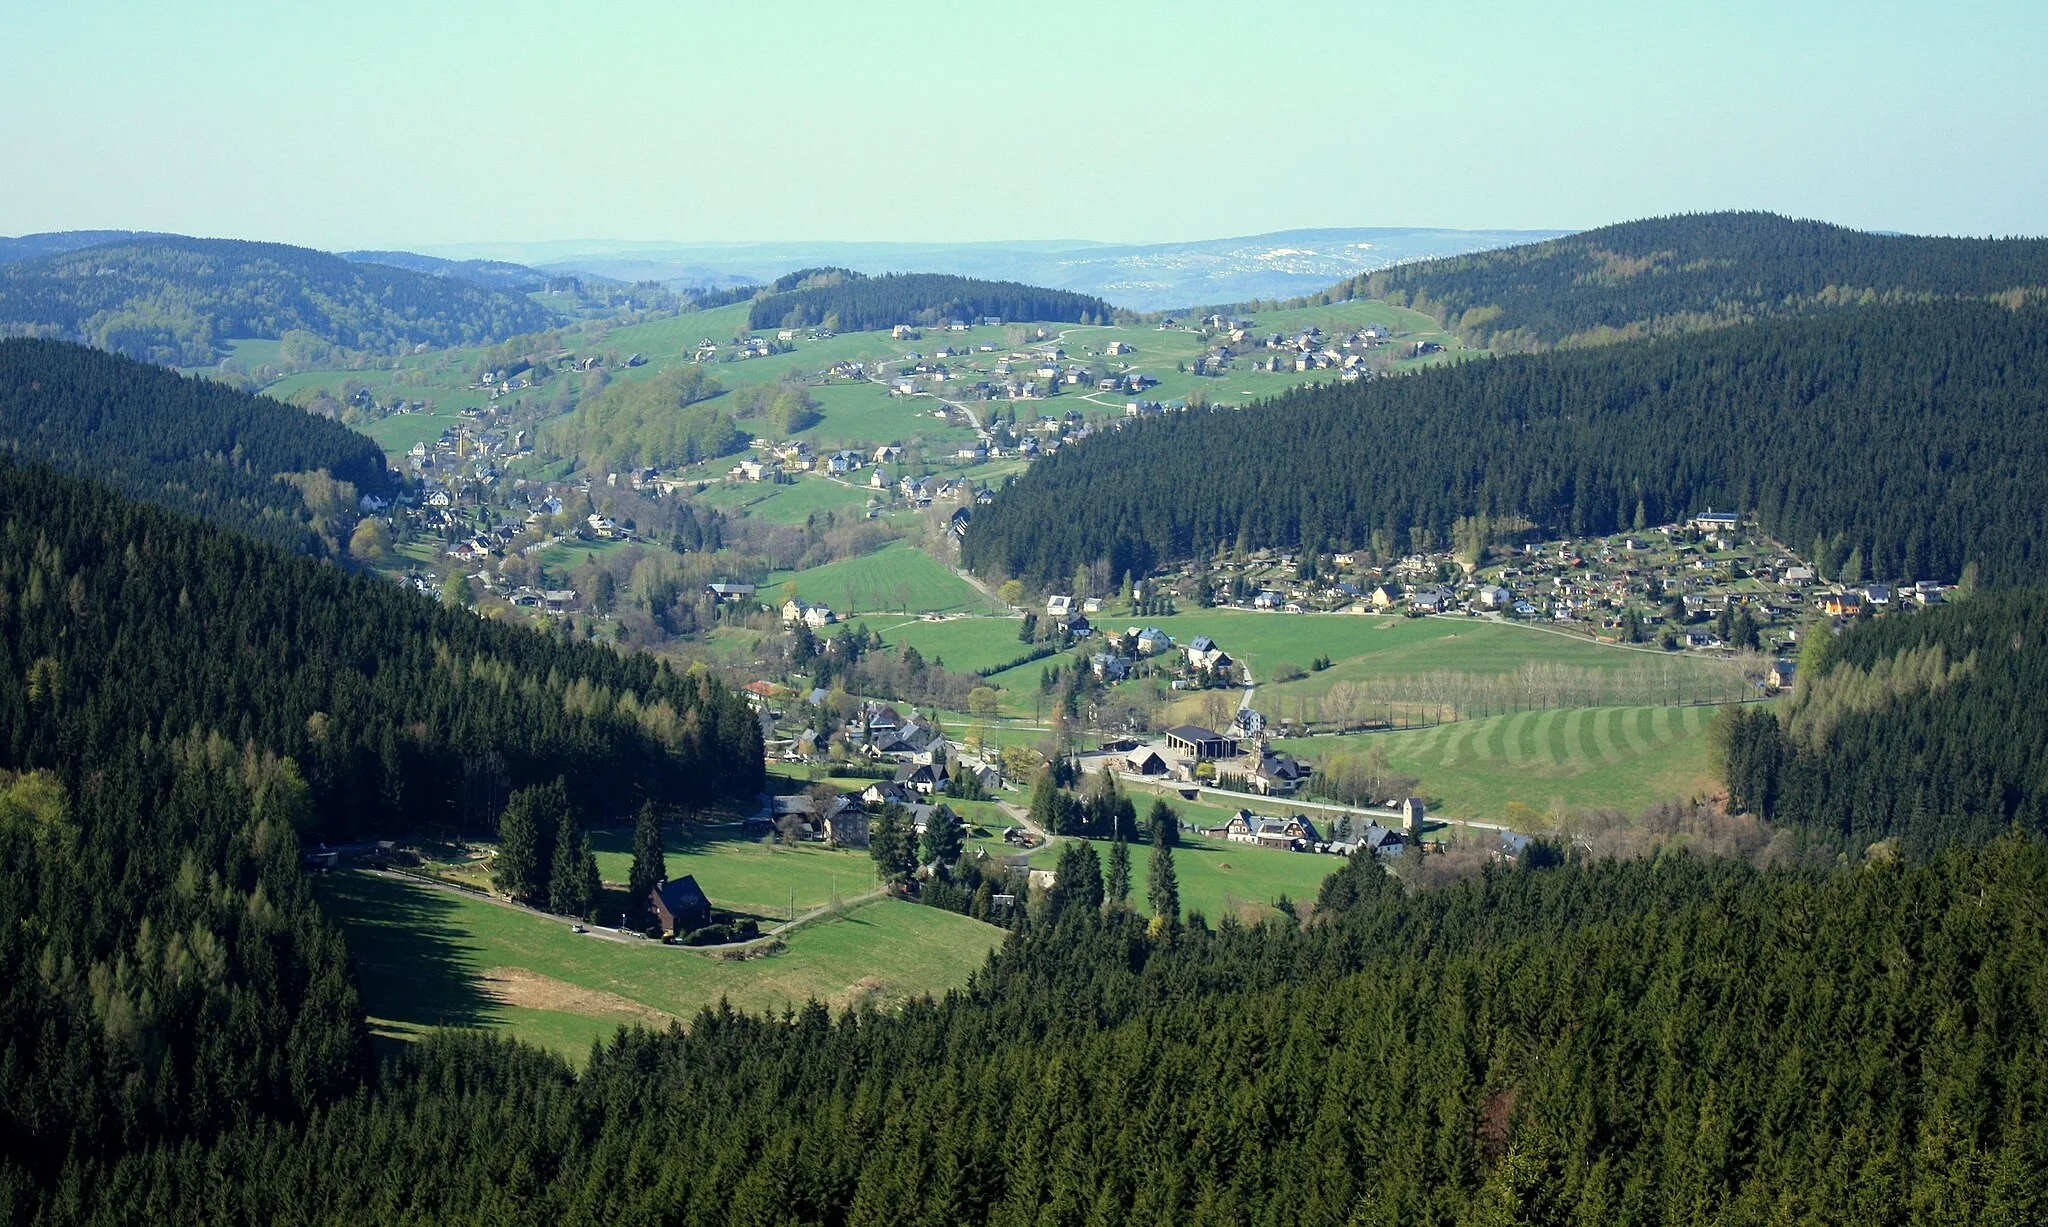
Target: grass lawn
[[1624, 758], [432, 958], [896, 577], [863, 415], [968, 644]]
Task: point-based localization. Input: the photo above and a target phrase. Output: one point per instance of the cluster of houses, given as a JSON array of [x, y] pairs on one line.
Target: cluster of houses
[[1298, 832], [923, 771]]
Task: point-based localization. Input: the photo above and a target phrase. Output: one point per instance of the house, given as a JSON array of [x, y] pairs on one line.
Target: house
[[1193, 741], [1385, 596], [1267, 599], [847, 827], [1779, 676], [1878, 594], [680, 906], [1202, 653], [725, 594], [1109, 667], [1715, 521], [1799, 577], [1151, 641], [1842, 604], [1276, 775], [921, 777], [1493, 596], [794, 609], [819, 615], [1429, 601]]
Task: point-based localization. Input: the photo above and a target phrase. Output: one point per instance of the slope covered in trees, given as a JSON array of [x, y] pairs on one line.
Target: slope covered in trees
[[491, 274], [123, 622], [1697, 270], [852, 302], [188, 445], [174, 300], [1655, 1042], [1926, 729], [671, 419], [1913, 433]]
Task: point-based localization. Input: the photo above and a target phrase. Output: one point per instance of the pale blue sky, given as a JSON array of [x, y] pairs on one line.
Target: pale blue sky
[[376, 123]]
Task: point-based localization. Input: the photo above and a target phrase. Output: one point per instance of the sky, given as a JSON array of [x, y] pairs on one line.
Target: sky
[[386, 124]]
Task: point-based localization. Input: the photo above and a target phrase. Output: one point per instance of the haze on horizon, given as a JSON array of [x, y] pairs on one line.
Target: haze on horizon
[[380, 125]]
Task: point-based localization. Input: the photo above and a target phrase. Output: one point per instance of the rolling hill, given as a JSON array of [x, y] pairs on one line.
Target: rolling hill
[[1910, 433], [174, 300], [186, 445], [1671, 274]]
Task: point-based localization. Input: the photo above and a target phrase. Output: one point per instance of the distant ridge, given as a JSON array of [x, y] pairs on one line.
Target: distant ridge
[[491, 274], [174, 300], [1136, 277], [57, 242], [1671, 274]]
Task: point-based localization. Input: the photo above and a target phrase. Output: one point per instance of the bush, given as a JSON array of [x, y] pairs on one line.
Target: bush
[[709, 935]]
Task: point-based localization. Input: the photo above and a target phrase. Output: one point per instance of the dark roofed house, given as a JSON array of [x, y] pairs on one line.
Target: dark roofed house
[[680, 905]]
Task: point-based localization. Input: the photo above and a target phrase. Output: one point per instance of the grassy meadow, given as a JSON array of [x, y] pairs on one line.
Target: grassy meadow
[[896, 577], [434, 958]]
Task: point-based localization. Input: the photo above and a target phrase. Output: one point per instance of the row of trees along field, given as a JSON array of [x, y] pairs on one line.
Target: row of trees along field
[[1671, 274], [1912, 433], [1667, 1041], [187, 445], [1924, 730], [123, 622], [176, 300], [851, 302]]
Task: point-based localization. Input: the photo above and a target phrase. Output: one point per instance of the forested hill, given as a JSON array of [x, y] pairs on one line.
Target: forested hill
[[1925, 729], [491, 274], [1664, 1042], [54, 242], [1696, 270], [1915, 434], [174, 300], [125, 622], [851, 302], [189, 445]]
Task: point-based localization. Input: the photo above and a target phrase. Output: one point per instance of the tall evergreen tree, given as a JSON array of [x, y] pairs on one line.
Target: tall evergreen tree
[[572, 886], [1119, 871], [1164, 824], [943, 836], [1162, 885], [525, 840], [650, 861]]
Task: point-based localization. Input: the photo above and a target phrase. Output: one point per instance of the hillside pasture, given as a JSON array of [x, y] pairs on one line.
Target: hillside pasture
[[428, 957], [896, 578]]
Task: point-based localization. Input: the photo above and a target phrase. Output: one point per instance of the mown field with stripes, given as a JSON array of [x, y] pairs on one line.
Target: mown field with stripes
[[1624, 758]]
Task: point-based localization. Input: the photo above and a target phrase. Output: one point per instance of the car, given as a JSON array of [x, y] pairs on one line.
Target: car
[[578, 929]]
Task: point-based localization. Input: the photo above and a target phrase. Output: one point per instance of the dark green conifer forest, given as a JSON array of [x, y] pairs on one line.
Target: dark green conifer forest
[[1911, 433]]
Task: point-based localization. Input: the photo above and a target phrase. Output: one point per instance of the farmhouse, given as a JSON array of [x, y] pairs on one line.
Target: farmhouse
[[680, 905]]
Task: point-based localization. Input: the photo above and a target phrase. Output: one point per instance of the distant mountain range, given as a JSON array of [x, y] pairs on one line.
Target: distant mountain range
[[1142, 277]]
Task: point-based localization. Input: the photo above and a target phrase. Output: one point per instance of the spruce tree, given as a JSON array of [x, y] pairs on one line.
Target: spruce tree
[[650, 861], [570, 890], [1119, 872], [943, 836], [1162, 886], [1165, 824], [526, 834]]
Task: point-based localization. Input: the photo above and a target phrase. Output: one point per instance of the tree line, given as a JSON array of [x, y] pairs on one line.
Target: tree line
[[1908, 435]]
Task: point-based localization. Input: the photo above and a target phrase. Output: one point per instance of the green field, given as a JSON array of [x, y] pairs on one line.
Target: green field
[[897, 577], [970, 644], [863, 415], [434, 958], [791, 504], [1624, 758], [744, 876], [1216, 878]]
